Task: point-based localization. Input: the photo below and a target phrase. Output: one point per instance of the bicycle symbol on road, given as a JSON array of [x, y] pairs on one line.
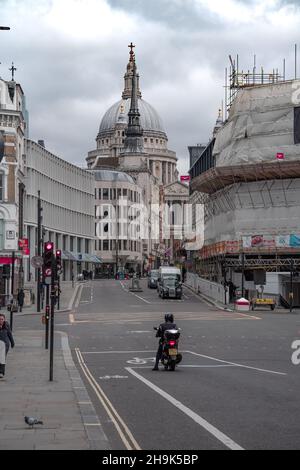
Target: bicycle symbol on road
[[137, 361]]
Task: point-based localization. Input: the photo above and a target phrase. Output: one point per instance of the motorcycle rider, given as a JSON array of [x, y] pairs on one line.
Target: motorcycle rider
[[168, 325]]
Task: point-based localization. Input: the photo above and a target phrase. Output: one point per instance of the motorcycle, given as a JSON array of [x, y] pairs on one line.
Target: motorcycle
[[170, 356]]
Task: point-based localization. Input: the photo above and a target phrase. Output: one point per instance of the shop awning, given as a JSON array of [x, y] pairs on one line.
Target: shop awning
[[80, 257], [95, 259]]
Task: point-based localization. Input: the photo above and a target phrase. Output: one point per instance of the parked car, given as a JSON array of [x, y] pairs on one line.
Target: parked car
[[153, 279]]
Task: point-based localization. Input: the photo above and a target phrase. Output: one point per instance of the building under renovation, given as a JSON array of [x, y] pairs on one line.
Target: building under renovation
[[248, 179]]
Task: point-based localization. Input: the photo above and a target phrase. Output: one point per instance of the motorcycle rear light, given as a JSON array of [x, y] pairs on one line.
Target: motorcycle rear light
[[172, 343]]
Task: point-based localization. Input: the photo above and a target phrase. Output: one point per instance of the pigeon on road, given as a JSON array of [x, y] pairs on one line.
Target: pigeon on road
[[32, 421]]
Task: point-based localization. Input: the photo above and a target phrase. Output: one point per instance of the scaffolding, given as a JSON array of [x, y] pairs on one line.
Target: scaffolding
[[238, 79]]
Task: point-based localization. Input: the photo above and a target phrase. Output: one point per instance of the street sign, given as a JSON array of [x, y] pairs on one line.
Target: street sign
[[24, 246], [37, 261]]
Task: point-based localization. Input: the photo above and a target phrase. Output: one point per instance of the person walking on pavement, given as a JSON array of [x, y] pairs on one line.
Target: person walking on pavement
[[6, 339], [168, 325], [20, 299]]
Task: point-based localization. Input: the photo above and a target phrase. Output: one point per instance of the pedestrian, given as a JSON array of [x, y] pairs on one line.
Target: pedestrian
[[20, 299], [6, 339]]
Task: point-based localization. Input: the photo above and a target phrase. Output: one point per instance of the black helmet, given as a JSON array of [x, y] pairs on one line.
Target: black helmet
[[169, 317]]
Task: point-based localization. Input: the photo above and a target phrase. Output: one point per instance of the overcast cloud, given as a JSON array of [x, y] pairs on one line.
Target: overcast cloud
[[71, 56]]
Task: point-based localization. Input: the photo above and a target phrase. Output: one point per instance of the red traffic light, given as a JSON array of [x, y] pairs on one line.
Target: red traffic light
[[48, 246], [58, 252]]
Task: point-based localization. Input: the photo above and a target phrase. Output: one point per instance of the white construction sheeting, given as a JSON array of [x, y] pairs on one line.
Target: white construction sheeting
[[260, 125]]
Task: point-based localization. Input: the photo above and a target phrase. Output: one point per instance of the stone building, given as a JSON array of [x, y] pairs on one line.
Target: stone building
[[132, 139], [67, 199], [13, 129]]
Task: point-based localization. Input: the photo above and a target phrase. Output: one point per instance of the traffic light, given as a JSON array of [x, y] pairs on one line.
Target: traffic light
[[48, 255], [58, 262]]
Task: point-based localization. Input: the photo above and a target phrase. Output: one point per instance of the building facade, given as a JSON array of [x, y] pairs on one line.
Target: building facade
[[67, 195], [132, 140], [13, 129], [250, 190], [118, 224]]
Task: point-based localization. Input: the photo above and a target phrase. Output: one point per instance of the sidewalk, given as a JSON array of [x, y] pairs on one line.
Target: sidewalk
[[67, 298], [64, 406], [215, 303], [231, 308]]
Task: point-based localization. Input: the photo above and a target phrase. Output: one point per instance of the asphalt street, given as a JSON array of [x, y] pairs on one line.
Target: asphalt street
[[235, 388]]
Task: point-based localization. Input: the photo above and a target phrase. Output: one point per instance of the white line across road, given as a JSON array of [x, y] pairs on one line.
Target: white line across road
[[236, 364], [227, 441]]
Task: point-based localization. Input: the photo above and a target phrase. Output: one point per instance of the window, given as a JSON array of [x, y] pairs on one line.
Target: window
[[79, 245], [71, 243], [86, 246], [1, 234], [105, 245], [1, 187], [99, 194], [124, 192], [105, 194], [297, 125]]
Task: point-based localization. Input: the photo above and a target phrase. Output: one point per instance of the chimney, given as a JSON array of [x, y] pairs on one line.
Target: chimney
[[41, 143]]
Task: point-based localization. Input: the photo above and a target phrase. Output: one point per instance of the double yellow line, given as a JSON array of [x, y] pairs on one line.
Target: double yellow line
[[123, 430]]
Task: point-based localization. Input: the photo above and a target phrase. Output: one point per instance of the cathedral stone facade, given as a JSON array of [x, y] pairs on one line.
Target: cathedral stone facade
[[132, 140]]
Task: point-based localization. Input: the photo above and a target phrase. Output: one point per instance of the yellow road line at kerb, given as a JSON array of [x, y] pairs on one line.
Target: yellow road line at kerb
[[125, 434]]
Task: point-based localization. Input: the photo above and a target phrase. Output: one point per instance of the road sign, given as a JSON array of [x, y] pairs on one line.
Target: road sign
[[37, 261]]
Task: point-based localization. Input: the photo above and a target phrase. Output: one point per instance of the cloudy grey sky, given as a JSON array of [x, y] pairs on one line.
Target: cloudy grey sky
[[71, 56]]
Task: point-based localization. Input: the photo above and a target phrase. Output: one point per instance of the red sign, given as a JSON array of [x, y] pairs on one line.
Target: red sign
[[23, 245], [280, 156], [185, 178]]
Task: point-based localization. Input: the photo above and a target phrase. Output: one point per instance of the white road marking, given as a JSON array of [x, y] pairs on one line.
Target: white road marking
[[124, 433], [71, 318], [79, 296], [141, 331], [227, 441], [117, 352], [236, 364], [108, 377], [135, 295]]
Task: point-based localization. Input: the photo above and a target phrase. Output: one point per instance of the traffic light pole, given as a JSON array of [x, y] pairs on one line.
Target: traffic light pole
[[52, 318], [47, 317]]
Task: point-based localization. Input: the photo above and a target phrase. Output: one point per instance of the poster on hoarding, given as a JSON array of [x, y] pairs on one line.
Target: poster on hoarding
[[295, 241], [258, 241], [282, 241]]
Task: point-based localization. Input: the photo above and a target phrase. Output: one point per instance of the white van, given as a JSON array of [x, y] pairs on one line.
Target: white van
[[169, 271]]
